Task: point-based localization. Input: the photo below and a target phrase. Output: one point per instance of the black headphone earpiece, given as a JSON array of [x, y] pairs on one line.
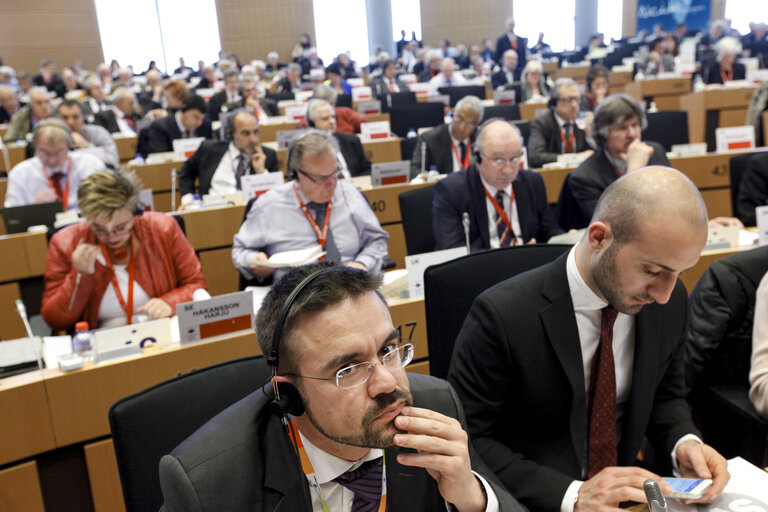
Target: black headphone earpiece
[[478, 157], [310, 123], [287, 398]]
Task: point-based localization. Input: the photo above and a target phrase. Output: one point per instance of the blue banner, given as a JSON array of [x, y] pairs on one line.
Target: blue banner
[[670, 13]]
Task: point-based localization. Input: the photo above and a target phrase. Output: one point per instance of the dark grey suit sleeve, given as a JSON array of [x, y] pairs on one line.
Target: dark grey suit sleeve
[[271, 159], [158, 140], [753, 190], [190, 172], [446, 219], [548, 226], [586, 190], [537, 146], [178, 491]]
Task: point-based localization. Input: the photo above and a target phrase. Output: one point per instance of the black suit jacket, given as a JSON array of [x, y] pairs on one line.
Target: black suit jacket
[[203, 164], [545, 142], [711, 74], [499, 79], [463, 192], [439, 151], [517, 367], [503, 44], [381, 89], [107, 119], [242, 460], [753, 189], [592, 177], [354, 154], [162, 133]]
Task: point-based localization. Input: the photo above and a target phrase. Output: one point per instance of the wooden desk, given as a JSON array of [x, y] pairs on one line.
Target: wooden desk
[[550, 67], [25, 425], [620, 78], [665, 92], [268, 129], [765, 129], [22, 256], [578, 73], [719, 108], [3, 188], [158, 178], [16, 154], [528, 110], [3, 130], [126, 147]]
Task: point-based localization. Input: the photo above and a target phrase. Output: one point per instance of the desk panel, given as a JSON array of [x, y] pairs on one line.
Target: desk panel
[[528, 110], [22, 255], [126, 147], [409, 317], [26, 428], [20, 489], [219, 271], [718, 102], [214, 228], [104, 477], [641, 89], [79, 400], [11, 326], [16, 154], [384, 201], [3, 189], [268, 131], [396, 243], [383, 151]]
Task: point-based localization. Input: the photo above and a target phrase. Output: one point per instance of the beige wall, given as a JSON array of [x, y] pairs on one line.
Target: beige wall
[[463, 21], [252, 28], [64, 30]]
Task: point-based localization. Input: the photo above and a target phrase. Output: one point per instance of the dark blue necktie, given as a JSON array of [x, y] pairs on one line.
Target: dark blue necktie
[[332, 253], [365, 482]]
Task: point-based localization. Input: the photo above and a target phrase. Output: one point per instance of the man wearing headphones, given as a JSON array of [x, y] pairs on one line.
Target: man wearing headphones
[[345, 429], [88, 138], [504, 204], [321, 115], [217, 166], [618, 124], [449, 146], [315, 207], [556, 132], [54, 173], [188, 122]]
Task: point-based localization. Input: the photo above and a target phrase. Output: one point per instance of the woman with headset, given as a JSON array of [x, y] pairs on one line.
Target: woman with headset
[[120, 265]]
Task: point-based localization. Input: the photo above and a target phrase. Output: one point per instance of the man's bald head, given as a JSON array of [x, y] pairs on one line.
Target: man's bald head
[[649, 195]]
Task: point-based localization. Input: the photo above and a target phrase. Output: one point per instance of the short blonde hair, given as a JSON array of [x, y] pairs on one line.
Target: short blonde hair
[[728, 46], [104, 193], [532, 66]]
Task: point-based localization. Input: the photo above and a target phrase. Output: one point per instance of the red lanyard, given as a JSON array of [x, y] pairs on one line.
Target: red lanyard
[[567, 145], [64, 200], [321, 235], [128, 308], [499, 210], [465, 163], [726, 74]]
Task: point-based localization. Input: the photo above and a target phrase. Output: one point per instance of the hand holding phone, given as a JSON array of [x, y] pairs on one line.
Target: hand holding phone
[[688, 488]]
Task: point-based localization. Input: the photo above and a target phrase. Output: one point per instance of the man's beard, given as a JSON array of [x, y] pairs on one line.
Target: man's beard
[[380, 437]]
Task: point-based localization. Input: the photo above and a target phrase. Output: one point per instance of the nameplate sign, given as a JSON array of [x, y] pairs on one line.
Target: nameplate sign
[[253, 185], [390, 173], [761, 214], [317, 74], [378, 130], [418, 263], [155, 333], [445, 99], [285, 137], [146, 200], [735, 138], [219, 316], [303, 96], [296, 113], [419, 88], [722, 237], [757, 76], [356, 82], [409, 78], [185, 148], [362, 94], [206, 93], [694, 149], [369, 108], [504, 97]]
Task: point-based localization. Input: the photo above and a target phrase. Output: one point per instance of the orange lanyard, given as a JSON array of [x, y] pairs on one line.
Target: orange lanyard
[[309, 471], [465, 163], [499, 210], [321, 235], [568, 146], [64, 200], [128, 308], [726, 75]]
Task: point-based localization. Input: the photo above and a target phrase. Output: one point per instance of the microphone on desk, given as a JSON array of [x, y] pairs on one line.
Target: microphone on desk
[[22, 310], [465, 223], [173, 189], [424, 160], [656, 501]]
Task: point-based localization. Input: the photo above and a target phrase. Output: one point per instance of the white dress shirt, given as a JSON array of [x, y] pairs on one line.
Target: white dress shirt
[[111, 313], [514, 217], [457, 145], [439, 80], [587, 306], [223, 181], [125, 128]]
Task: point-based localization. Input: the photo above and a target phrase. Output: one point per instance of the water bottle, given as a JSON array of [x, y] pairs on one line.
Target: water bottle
[[82, 341], [411, 134]]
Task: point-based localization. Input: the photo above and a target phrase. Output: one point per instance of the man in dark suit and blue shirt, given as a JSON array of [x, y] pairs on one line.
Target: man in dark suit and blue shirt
[[353, 433], [506, 205], [564, 370], [218, 165]]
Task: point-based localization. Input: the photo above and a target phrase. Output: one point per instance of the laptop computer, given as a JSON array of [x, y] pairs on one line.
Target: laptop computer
[[18, 219]]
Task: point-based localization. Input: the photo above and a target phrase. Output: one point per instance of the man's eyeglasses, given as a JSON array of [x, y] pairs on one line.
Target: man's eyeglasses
[[356, 374], [502, 162], [463, 121], [570, 99], [320, 179], [101, 232]]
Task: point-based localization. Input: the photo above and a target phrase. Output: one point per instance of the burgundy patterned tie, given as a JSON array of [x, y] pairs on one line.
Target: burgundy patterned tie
[[602, 400], [56, 178], [365, 482]]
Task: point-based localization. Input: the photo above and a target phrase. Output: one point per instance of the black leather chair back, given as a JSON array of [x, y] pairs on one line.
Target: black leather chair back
[[151, 423], [456, 92], [450, 289], [738, 166], [508, 112], [418, 115], [667, 128], [416, 211]]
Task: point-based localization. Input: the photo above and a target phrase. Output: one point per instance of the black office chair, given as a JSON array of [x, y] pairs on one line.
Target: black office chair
[[280, 96], [456, 92], [568, 212], [344, 100], [391, 99], [450, 289], [508, 112], [667, 128], [149, 424], [738, 166], [407, 146], [418, 115], [525, 130], [416, 212]]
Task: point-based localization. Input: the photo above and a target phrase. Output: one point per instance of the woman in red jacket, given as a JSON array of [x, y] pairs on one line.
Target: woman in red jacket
[[120, 265]]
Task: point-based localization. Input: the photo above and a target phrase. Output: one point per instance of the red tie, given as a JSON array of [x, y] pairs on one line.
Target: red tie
[[56, 179], [602, 400], [130, 123]]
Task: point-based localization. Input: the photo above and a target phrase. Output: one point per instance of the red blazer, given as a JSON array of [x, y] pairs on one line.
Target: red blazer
[[166, 268]]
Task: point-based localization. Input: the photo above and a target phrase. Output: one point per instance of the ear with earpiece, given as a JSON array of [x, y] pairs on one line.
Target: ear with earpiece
[[290, 401], [478, 157]]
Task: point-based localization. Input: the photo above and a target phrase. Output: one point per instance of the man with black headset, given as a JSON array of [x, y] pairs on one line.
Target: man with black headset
[[313, 208], [348, 428], [217, 166]]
